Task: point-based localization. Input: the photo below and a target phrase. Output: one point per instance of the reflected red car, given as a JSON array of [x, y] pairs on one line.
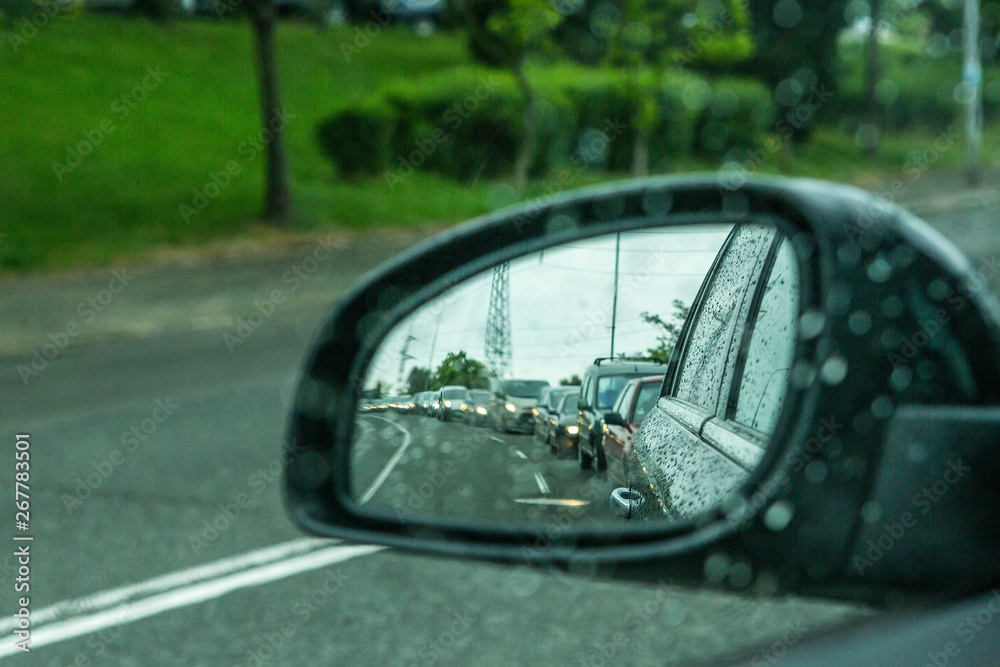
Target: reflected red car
[[634, 402]]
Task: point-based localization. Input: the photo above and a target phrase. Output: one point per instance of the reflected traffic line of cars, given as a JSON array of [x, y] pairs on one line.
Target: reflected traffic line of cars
[[594, 422]]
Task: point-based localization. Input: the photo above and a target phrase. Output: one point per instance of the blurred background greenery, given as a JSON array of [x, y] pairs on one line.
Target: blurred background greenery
[[130, 126]]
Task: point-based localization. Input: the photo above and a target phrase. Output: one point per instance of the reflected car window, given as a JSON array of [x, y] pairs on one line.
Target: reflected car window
[[648, 394], [624, 400], [608, 388], [769, 355], [704, 361], [525, 389]]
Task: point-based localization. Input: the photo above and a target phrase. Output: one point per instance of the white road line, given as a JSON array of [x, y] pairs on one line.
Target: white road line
[[520, 454], [382, 476], [566, 502], [542, 485], [166, 582], [493, 437], [130, 612]]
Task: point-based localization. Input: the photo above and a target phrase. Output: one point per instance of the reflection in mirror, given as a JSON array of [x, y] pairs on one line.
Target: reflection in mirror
[[534, 392]]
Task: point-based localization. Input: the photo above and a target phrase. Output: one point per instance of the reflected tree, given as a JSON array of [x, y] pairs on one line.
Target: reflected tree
[[458, 369], [418, 380], [670, 330]]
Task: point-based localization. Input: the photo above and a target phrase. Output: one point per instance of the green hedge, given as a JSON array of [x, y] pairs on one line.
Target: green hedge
[[359, 138], [469, 121]]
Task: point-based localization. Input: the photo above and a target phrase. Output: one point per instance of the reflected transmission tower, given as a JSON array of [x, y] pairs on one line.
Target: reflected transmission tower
[[498, 346]]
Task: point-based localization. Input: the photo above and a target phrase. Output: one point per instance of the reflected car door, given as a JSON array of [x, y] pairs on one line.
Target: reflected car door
[[675, 472], [613, 439], [742, 430]]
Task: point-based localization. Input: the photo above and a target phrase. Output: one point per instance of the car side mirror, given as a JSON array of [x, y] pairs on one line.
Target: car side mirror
[[614, 419], [892, 390]]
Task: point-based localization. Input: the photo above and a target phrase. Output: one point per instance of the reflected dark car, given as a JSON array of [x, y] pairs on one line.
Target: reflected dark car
[[477, 406], [425, 402], [602, 383], [562, 430], [512, 402], [449, 402], [547, 401], [633, 404], [404, 404], [719, 410]]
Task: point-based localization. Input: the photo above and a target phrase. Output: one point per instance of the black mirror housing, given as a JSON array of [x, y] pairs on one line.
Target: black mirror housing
[[614, 419], [820, 488]]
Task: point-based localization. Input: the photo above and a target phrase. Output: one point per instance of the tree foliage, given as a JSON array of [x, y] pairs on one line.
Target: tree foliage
[[655, 32], [795, 46], [458, 368], [418, 380], [572, 381], [670, 331], [505, 33]]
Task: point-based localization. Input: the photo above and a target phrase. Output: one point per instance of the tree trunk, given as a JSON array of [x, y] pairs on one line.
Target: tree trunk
[[873, 71], [278, 197], [526, 149], [640, 154]]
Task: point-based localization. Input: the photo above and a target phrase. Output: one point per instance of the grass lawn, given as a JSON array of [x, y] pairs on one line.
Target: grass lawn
[[77, 78]]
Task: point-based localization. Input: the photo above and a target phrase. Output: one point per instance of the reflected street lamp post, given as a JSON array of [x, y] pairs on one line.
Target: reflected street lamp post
[[972, 79], [614, 302]]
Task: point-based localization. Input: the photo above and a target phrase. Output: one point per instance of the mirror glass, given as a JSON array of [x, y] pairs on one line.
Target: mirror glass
[[535, 391]]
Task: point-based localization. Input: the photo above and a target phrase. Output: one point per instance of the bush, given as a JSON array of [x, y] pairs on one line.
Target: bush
[[737, 113], [359, 138], [444, 118], [469, 121]]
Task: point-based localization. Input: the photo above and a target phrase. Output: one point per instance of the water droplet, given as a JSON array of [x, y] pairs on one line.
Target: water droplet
[[766, 584], [901, 378], [871, 512], [657, 202], [838, 301], [787, 14], [937, 289], [917, 452], [834, 370], [882, 407], [848, 254], [741, 575], [859, 323], [717, 567], [802, 376], [779, 515], [811, 324], [879, 270], [816, 472]]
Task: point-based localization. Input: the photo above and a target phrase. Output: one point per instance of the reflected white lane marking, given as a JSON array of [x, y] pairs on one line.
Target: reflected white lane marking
[[183, 596], [382, 476], [493, 437], [168, 581], [520, 454], [542, 485], [565, 502]]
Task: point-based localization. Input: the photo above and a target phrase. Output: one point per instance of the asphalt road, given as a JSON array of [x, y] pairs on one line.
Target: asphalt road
[[152, 456], [414, 465]]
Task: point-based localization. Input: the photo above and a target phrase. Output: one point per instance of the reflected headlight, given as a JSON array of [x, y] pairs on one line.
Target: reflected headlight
[[481, 411], [572, 430], [511, 407], [447, 404], [464, 406]]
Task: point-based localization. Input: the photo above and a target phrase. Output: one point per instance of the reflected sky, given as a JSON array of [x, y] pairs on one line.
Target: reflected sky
[[561, 306]]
